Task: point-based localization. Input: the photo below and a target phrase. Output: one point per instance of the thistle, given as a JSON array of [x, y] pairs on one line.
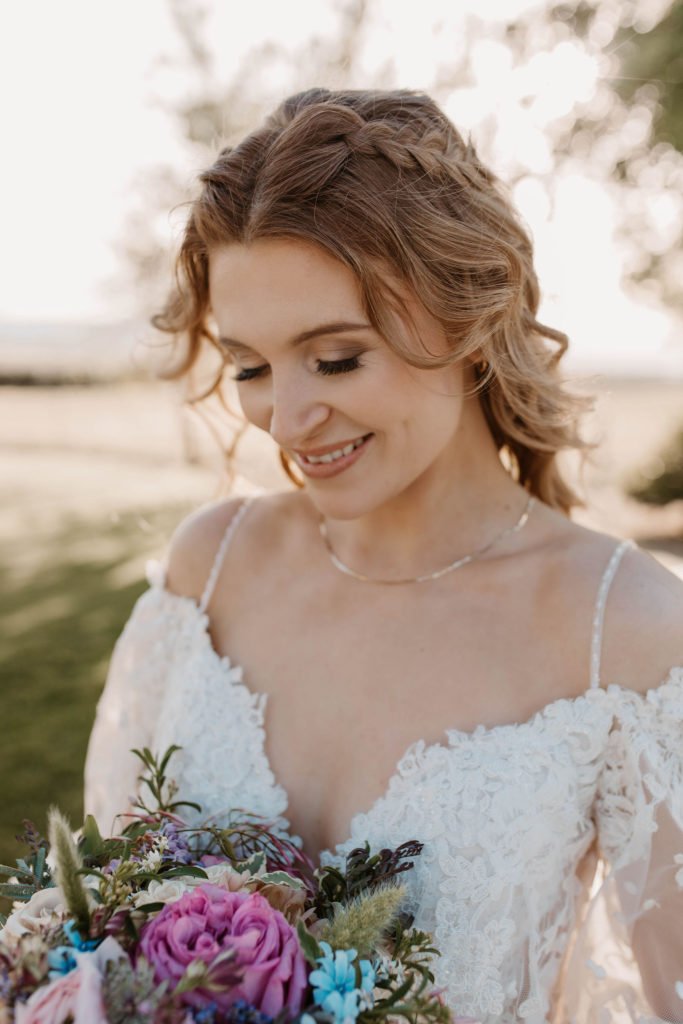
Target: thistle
[[68, 866], [362, 922]]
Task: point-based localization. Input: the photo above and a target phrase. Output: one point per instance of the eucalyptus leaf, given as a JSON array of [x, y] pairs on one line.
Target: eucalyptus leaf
[[252, 865], [282, 878]]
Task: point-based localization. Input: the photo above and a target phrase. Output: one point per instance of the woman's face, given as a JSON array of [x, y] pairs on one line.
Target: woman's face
[[363, 426]]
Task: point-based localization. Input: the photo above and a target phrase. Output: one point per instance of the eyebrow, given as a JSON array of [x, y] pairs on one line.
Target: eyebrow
[[337, 327]]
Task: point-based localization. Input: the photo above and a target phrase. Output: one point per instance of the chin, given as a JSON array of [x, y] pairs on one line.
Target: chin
[[347, 503], [350, 505]]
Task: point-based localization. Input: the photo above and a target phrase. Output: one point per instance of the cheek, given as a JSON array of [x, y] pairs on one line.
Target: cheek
[[255, 406]]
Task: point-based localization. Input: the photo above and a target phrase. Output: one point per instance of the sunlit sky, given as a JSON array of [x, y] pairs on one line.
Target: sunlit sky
[[81, 83]]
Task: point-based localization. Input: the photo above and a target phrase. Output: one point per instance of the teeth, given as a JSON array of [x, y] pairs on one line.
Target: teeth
[[338, 453]]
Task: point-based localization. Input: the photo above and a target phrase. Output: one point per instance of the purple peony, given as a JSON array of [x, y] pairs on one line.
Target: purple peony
[[269, 970]]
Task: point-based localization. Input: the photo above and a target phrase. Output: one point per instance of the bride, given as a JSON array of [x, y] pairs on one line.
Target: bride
[[446, 655]]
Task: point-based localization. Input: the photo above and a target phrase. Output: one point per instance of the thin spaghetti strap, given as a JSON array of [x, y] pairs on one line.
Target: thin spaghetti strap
[[599, 614], [220, 554]]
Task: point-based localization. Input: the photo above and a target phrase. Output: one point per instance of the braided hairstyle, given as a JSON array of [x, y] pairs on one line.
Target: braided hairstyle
[[385, 183]]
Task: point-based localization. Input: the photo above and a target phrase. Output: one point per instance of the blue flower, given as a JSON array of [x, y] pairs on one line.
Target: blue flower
[[335, 974], [242, 1012], [60, 960], [368, 975], [334, 981], [74, 936], [343, 1007], [205, 1015]]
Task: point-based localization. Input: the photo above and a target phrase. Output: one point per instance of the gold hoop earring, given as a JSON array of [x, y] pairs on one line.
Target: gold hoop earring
[[481, 367]]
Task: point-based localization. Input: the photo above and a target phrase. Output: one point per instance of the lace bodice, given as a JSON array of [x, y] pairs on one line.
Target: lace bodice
[[549, 846]]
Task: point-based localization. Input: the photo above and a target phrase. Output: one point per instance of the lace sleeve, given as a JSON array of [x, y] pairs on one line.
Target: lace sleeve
[[626, 966], [129, 705]]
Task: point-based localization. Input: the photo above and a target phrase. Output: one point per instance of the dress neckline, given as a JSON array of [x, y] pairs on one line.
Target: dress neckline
[[453, 736]]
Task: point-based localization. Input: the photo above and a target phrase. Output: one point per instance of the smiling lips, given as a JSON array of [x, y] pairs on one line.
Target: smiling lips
[[324, 462]]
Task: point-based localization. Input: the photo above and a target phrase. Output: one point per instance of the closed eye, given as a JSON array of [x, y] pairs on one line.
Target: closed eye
[[338, 365], [323, 366], [250, 372]]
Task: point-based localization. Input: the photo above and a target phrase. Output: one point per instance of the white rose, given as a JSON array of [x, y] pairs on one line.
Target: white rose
[[171, 890], [226, 876], [44, 908]]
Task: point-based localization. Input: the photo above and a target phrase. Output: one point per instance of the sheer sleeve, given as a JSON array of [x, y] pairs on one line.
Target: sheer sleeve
[[626, 966], [129, 705]]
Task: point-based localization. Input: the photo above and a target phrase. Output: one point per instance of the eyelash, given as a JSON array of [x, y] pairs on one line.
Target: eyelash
[[327, 369]]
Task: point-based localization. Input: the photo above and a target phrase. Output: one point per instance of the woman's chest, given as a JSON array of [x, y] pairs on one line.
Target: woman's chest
[[351, 688], [494, 781]]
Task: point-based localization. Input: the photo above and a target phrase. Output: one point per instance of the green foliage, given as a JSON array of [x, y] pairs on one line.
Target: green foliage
[[155, 781], [248, 837], [31, 871], [414, 1000], [309, 945], [363, 872], [662, 481], [60, 623]]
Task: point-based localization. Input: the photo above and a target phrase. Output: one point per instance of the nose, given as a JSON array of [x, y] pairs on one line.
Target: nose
[[296, 411]]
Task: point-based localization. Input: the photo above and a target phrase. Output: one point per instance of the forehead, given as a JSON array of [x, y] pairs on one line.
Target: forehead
[[281, 285]]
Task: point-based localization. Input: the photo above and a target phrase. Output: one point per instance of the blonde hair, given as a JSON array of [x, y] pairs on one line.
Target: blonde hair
[[386, 184]]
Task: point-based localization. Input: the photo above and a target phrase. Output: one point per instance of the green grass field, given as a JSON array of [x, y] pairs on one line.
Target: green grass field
[[61, 615]]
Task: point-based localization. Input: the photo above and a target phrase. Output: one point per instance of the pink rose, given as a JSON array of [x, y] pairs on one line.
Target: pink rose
[[76, 996], [208, 921]]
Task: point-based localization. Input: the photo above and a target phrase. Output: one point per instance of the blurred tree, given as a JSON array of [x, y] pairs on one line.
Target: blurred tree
[[656, 57], [662, 480], [213, 113], [631, 129]]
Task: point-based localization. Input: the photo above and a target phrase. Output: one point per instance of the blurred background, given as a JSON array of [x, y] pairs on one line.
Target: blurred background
[[111, 109]]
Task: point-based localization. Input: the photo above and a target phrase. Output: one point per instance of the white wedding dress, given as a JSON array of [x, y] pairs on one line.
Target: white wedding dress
[[544, 842]]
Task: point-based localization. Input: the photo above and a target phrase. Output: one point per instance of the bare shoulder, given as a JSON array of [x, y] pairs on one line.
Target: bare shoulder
[[196, 540], [642, 637], [643, 629], [194, 545]]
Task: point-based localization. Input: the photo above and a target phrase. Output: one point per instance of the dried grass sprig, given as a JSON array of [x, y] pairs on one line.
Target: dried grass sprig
[[361, 923], [68, 864]]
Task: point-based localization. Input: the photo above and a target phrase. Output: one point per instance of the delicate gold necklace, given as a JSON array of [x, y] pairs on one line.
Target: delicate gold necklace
[[338, 564]]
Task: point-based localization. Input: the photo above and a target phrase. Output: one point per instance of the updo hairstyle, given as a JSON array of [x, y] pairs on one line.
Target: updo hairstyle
[[385, 183]]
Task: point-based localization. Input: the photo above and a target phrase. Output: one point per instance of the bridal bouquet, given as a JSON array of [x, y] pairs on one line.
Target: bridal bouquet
[[172, 924]]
